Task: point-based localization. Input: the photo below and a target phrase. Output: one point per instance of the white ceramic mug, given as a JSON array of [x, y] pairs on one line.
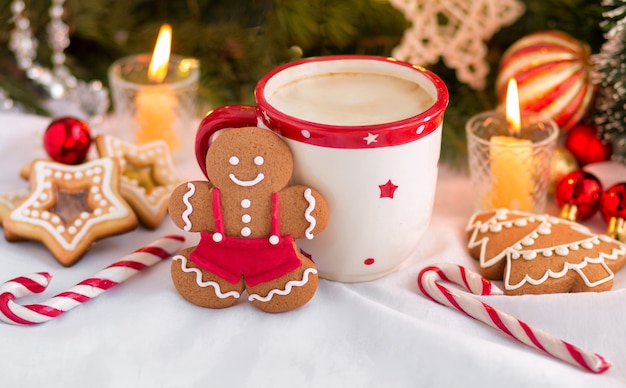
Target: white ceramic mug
[[365, 131]]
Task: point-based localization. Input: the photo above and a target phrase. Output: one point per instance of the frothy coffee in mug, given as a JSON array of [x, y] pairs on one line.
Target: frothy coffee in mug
[[351, 98]]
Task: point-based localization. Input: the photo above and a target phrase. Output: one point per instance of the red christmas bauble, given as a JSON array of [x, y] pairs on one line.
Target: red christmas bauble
[[583, 142], [578, 195], [553, 75], [67, 140], [613, 202]]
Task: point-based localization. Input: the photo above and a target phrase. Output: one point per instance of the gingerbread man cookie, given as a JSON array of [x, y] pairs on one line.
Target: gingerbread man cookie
[[541, 254], [248, 217]]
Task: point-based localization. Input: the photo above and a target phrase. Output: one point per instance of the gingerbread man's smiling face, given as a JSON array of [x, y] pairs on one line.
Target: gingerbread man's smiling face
[[249, 159]]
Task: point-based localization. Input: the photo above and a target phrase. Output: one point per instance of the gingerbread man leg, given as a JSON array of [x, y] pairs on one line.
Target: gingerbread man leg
[[201, 287], [288, 291]]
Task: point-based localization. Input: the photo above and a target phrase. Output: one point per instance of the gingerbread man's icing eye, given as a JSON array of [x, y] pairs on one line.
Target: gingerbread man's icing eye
[[259, 160], [233, 160]]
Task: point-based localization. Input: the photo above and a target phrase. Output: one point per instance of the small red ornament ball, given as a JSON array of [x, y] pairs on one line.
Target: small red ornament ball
[[583, 142], [67, 140], [578, 195], [613, 202]]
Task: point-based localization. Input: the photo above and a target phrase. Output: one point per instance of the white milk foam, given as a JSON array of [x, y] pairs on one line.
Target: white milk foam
[[351, 98]]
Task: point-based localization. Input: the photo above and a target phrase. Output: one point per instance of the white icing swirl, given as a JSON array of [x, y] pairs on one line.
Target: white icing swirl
[[287, 289], [191, 189], [307, 214], [202, 283]]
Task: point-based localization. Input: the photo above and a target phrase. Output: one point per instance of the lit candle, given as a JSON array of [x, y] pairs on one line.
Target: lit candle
[[509, 155], [511, 161], [156, 105]]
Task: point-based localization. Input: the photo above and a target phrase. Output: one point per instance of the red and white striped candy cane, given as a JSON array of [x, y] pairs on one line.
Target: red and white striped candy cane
[[428, 282], [12, 312]]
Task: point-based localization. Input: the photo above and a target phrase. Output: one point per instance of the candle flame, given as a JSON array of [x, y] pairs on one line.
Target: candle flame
[[512, 108], [161, 55]]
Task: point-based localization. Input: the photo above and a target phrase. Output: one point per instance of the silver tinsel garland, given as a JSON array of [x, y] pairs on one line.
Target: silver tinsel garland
[[58, 82], [610, 66]]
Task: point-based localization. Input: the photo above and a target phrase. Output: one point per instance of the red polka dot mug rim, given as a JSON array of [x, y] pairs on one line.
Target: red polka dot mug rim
[[382, 134]]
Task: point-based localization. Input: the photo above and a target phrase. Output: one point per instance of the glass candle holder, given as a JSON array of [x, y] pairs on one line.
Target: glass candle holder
[[510, 171], [147, 111]]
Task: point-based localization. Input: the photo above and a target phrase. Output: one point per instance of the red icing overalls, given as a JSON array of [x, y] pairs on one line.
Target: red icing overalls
[[257, 260]]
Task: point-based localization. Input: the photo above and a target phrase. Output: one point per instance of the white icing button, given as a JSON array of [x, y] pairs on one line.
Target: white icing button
[[258, 160], [217, 237], [246, 218], [71, 230], [587, 245], [544, 229], [521, 222], [495, 228], [55, 219], [274, 239], [245, 203], [245, 231], [561, 251], [605, 238], [305, 133], [547, 253], [233, 160], [530, 255], [60, 229]]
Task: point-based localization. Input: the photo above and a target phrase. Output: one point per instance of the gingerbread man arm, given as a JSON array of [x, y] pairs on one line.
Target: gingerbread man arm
[[303, 211], [190, 206]]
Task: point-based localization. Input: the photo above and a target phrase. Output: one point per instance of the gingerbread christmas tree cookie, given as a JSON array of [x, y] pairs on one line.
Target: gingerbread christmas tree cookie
[[539, 254]]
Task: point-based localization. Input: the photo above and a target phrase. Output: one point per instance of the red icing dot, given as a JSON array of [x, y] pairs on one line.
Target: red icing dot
[[369, 261]]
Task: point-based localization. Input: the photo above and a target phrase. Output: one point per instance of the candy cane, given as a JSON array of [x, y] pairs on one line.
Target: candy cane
[[11, 312], [428, 282]]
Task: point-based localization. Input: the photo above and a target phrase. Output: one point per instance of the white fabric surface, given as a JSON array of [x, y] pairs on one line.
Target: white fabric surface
[[381, 333]]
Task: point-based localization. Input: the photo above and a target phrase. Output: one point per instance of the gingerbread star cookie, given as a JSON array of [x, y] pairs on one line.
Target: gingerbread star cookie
[[148, 176], [8, 201], [71, 206], [541, 254]]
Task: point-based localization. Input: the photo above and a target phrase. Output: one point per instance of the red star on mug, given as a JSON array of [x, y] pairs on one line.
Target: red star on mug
[[387, 190]]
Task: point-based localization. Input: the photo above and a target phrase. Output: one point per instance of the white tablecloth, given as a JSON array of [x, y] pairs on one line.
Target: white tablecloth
[[381, 333]]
